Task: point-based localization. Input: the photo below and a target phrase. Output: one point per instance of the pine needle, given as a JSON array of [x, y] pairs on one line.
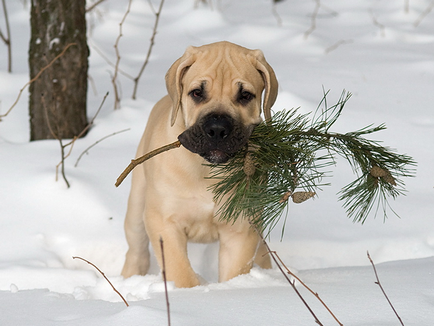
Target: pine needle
[[292, 153]]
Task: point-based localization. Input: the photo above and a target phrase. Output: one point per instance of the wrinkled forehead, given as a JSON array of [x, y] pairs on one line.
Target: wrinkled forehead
[[226, 69]]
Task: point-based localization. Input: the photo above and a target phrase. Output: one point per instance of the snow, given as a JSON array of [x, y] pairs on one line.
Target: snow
[[387, 64]]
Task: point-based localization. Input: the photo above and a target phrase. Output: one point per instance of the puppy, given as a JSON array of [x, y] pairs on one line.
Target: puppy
[[214, 101]]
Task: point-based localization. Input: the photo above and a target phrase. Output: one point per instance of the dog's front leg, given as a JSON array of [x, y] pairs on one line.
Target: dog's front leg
[[238, 248], [177, 264]]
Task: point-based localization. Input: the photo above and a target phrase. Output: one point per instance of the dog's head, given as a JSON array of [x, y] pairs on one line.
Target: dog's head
[[218, 89]]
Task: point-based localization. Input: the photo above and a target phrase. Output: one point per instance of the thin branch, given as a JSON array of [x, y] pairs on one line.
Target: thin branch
[[276, 13], [101, 53], [86, 151], [118, 57], [424, 14], [114, 289], [92, 6], [308, 288], [144, 158], [7, 39], [36, 77], [336, 45], [292, 283], [376, 23], [313, 19], [163, 271], [382, 290], [64, 156], [406, 6], [148, 55]]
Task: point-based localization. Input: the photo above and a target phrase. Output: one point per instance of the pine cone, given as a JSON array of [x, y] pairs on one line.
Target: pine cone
[[301, 196], [378, 172], [249, 165]]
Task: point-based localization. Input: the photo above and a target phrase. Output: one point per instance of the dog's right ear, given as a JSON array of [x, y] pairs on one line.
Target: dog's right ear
[[174, 79]]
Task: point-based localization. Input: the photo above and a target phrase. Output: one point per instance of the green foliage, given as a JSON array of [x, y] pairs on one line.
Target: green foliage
[[289, 156]]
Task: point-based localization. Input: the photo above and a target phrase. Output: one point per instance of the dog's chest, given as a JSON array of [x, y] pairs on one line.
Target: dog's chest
[[199, 223]]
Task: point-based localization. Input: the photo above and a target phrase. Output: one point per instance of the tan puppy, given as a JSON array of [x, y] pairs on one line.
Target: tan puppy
[[214, 102]]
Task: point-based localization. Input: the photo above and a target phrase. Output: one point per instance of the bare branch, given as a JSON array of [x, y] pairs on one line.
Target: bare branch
[[118, 58], [92, 6], [336, 45], [378, 24], [7, 39], [424, 14], [151, 45], [101, 53], [276, 13], [144, 158], [163, 272], [114, 289], [86, 151], [382, 290], [36, 77], [292, 283], [308, 288], [313, 19]]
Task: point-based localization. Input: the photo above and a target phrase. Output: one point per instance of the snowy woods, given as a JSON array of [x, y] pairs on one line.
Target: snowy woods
[[380, 51]]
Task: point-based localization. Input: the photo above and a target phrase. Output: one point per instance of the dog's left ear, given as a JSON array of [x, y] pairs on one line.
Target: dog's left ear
[[270, 81], [174, 79]]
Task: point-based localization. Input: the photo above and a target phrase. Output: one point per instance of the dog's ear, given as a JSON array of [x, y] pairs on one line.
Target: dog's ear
[[270, 81], [174, 79]]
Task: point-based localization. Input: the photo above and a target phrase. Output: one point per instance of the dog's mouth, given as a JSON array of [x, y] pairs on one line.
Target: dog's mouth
[[216, 138], [216, 156]]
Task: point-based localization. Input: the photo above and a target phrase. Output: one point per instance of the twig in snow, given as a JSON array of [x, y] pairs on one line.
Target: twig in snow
[[382, 290], [165, 281], [276, 13], [376, 23], [63, 146], [114, 289], [424, 14], [86, 151], [313, 20], [151, 45], [406, 6], [144, 158], [7, 38], [308, 288], [36, 77], [336, 45], [118, 57], [292, 283]]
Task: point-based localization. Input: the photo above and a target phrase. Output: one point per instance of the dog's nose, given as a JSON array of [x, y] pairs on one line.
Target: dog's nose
[[217, 127]]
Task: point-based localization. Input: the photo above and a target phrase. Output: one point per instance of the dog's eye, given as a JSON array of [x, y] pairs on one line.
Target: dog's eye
[[197, 94], [244, 97]]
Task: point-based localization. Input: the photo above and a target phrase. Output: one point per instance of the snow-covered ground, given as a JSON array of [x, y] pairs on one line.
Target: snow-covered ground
[[370, 48]]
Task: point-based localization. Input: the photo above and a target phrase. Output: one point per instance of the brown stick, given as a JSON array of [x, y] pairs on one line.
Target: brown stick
[[144, 158], [163, 272], [382, 290], [114, 289], [86, 151], [273, 256], [118, 58], [36, 77], [148, 55], [7, 38], [308, 288]]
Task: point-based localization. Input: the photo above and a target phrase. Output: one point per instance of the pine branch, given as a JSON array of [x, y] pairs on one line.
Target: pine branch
[[293, 152]]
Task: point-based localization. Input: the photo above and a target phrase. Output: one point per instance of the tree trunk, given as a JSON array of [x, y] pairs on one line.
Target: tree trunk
[[57, 104]]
